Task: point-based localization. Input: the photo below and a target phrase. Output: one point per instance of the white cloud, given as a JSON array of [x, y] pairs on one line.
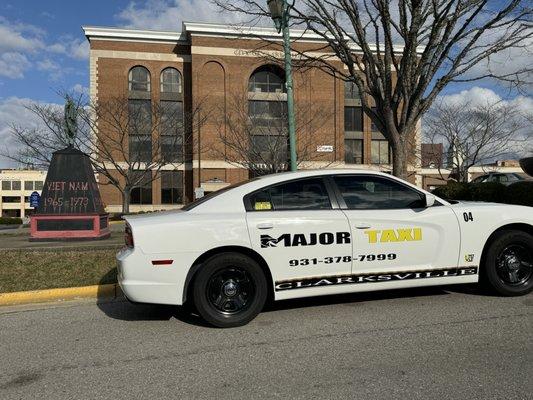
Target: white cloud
[[19, 37], [13, 112], [478, 96], [169, 14], [79, 49], [13, 65], [80, 89]]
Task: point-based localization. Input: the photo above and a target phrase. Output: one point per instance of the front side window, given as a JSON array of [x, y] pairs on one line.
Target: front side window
[[368, 192], [139, 79], [171, 187], [303, 194]]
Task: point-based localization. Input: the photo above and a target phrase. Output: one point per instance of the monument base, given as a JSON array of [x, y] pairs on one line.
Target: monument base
[[69, 227]]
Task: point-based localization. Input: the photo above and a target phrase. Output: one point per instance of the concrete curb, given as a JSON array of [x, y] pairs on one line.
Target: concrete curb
[[96, 292]]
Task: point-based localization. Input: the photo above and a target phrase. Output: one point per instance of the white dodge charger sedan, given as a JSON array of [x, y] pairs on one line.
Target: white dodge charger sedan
[[312, 233]]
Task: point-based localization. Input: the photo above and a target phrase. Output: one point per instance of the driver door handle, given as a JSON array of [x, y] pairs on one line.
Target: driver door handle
[[265, 225], [362, 225]]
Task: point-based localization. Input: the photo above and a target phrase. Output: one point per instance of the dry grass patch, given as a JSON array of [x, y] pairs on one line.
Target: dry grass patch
[[44, 269]]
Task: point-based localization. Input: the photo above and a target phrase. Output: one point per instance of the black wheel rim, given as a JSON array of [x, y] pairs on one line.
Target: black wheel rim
[[230, 290], [514, 265]]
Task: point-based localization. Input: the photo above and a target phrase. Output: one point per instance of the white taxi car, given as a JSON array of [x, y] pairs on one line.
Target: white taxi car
[[311, 233]]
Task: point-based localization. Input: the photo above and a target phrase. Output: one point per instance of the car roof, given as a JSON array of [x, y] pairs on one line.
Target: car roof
[[231, 200]]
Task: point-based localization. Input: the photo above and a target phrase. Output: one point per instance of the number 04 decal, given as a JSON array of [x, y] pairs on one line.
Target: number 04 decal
[[468, 216]]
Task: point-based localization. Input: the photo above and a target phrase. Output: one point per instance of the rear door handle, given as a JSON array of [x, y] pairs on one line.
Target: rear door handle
[[362, 225], [265, 225]]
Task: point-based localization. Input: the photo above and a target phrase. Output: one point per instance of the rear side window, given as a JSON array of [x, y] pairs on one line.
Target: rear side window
[[303, 194], [376, 193]]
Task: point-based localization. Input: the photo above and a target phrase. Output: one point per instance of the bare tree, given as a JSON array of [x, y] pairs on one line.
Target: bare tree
[[474, 135], [402, 54], [128, 142], [254, 135]]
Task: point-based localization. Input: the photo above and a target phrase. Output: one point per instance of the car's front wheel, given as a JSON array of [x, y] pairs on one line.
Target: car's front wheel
[[229, 290], [509, 263]]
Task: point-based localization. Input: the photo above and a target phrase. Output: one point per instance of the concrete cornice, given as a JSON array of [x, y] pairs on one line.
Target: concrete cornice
[[108, 33], [209, 29]]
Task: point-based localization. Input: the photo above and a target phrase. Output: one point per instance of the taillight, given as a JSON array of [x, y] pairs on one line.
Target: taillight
[[128, 236]]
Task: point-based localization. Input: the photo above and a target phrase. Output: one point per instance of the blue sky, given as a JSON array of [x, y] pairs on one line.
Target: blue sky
[[43, 50], [47, 24]]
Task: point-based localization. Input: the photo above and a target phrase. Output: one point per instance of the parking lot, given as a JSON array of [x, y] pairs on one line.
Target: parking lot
[[451, 343]]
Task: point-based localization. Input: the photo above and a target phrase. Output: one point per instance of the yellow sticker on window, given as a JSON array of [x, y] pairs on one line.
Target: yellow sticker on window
[[262, 205]]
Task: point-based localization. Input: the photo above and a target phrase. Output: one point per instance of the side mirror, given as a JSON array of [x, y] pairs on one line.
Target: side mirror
[[430, 200]]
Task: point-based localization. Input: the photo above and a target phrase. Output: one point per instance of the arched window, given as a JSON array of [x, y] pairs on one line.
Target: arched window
[[139, 79], [267, 79], [170, 81], [353, 125], [267, 110]]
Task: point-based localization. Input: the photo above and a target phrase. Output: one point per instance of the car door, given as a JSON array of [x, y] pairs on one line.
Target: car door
[[300, 231], [392, 229]]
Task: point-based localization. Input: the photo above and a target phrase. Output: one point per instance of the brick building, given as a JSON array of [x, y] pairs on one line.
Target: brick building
[[205, 67]]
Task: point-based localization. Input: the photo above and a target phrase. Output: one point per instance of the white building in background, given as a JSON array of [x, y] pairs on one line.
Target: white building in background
[[16, 186]]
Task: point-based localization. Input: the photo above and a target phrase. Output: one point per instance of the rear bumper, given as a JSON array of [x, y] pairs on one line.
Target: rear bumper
[[142, 282]]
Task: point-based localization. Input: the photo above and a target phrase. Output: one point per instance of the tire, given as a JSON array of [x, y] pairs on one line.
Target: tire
[[229, 290], [508, 266]]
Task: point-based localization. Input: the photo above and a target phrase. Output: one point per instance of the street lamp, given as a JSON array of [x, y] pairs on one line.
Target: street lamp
[[279, 11]]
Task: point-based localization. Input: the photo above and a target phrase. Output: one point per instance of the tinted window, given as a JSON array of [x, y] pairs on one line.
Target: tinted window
[[376, 193], [303, 194]]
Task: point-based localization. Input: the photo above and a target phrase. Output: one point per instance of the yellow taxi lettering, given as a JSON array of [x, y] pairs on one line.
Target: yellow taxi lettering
[[405, 234], [394, 235], [372, 236], [388, 235]]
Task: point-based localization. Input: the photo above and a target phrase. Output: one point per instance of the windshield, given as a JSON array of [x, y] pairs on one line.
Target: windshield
[[201, 200]]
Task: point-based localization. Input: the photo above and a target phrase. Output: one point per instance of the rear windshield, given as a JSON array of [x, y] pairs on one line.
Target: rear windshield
[[201, 200]]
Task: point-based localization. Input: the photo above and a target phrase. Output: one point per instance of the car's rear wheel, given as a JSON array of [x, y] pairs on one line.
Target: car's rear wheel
[[509, 263], [229, 290]]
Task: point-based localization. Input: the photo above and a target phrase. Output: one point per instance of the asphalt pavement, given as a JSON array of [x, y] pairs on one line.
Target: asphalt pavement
[[451, 343]]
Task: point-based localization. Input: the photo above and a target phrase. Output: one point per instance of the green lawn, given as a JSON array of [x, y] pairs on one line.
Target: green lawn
[[31, 269]]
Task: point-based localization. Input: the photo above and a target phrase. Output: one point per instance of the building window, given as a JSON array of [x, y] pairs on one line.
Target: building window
[[353, 151], [172, 131], [6, 185], [268, 116], [142, 193], [267, 79], [11, 199], [351, 91], [171, 187], [28, 185], [140, 130], [38, 185], [139, 79], [380, 153], [353, 119], [170, 81]]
